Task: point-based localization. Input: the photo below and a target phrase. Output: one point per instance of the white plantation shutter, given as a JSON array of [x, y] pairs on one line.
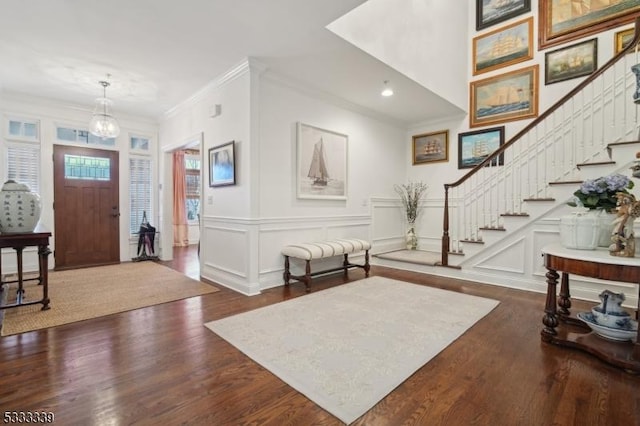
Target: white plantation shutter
[[23, 164], [139, 191]]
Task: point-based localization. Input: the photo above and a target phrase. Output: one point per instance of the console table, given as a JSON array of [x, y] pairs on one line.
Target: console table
[[18, 242], [561, 328]]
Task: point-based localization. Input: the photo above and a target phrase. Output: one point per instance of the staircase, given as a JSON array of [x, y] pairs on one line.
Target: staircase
[[588, 133], [497, 217]]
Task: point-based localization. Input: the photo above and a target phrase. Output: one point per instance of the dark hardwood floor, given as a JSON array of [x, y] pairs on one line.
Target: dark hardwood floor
[[160, 365]]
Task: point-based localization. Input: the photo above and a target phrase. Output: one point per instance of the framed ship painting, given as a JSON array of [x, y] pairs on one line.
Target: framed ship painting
[[571, 62], [503, 47], [322, 163], [561, 21], [474, 147], [621, 39], [491, 12], [507, 97], [222, 164], [431, 147]]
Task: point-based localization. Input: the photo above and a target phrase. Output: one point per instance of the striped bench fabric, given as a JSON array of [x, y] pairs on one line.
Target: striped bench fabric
[[322, 249]]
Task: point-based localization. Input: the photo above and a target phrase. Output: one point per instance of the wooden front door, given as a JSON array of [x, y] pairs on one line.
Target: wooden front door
[[86, 208]]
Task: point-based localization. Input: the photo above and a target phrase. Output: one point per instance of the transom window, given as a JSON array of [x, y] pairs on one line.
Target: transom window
[[69, 134], [85, 167]]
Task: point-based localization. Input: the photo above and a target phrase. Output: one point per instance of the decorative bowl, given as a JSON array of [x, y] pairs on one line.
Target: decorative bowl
[[620, 334], [611, 319]]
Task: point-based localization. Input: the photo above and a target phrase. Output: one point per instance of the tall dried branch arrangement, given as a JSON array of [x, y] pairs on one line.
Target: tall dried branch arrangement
[[410, 194]]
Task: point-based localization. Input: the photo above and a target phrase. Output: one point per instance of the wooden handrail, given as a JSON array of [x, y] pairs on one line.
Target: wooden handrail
[[524, 131]]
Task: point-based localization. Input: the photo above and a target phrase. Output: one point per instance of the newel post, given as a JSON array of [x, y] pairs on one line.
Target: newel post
[[445, 228]]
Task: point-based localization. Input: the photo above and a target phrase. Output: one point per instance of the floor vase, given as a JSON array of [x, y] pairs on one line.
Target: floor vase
[[411, 237]]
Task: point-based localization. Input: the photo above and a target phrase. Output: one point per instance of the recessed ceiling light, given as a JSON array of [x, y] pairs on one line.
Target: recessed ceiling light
[[387, 90]]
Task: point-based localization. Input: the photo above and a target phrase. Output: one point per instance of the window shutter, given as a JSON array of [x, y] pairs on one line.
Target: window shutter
[[139, 191], [23, 164]]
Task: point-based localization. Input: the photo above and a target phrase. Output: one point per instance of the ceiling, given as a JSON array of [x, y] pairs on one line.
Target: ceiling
[[160, 52]]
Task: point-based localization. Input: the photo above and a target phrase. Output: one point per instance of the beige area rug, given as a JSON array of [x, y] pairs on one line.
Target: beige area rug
[[347, 347], [420, 257], [81, 294]]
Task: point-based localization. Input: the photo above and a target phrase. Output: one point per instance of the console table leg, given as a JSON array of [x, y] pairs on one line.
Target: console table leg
[[550, 319], [565, 298], [43, 263], [19, 259]]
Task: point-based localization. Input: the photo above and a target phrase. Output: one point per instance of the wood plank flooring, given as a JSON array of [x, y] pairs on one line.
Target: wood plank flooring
[[160, 365]]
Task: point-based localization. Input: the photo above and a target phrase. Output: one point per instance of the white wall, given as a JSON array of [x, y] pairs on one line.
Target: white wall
[[50, 114], [246, 225], [423, 39], [375, 164]]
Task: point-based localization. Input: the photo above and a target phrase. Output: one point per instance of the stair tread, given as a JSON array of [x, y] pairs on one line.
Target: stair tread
[[515, 214], [596, 163], [539, 199], [487, 228], [472, 241], [567, 182]]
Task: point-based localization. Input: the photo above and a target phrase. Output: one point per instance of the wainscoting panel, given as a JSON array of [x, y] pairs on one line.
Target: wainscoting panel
[[277, 233], [508, 258]]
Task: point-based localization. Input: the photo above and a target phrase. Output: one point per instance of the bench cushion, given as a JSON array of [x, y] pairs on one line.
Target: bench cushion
[[322, 249]]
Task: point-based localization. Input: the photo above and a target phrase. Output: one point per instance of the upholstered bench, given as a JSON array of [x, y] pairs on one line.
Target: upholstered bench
[[323, 249]]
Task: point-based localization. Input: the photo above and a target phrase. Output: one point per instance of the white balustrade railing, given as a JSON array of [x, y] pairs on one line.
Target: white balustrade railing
[[574, 131]]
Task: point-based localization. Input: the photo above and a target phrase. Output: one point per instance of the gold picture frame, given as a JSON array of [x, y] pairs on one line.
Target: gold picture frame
[[561, 22], [431, 147], [621, 39], [506, 97], [569, 62], [503, 47]]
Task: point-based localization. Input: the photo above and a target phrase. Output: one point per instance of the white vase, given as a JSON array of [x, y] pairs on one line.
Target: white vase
[[19, 208], [411, 237], [580, 230]]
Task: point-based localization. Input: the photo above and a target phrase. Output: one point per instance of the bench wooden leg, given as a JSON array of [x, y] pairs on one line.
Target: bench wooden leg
[[366, 263], [286, 275], [307, 276], [345, 264]]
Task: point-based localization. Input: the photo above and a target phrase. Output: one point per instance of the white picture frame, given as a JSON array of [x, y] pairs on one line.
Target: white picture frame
[[321, 171]]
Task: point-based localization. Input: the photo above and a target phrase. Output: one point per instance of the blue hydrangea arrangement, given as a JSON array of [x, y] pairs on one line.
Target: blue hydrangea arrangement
[[601, 193]]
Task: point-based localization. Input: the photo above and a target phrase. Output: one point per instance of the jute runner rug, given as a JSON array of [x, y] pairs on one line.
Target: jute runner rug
[[347, 347], [81, 294]]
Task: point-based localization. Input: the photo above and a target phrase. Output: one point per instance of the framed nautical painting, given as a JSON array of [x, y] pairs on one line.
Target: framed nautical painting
[[474, 147], [561, 21], [322, 163], [507, 97], [503, 47], [431, 147], [491, 12], [621, 39], [222, 164], [571, 62]]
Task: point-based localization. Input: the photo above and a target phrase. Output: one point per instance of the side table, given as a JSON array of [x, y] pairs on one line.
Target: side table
[[563, 329], [18, 242]]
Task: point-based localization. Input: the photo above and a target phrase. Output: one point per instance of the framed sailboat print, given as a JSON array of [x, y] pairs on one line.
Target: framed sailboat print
[[322, 163], [507, 97]]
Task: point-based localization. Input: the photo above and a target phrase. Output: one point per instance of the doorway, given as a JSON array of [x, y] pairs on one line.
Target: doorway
[[86, 207]]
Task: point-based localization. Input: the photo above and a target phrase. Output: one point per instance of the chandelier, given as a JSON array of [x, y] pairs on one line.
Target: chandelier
[[103, 124]]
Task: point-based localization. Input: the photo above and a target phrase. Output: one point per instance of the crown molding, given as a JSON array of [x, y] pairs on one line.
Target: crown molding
[[234, 72]]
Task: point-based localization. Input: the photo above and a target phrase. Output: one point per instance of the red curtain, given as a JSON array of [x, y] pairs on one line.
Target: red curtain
[[180, 227]]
